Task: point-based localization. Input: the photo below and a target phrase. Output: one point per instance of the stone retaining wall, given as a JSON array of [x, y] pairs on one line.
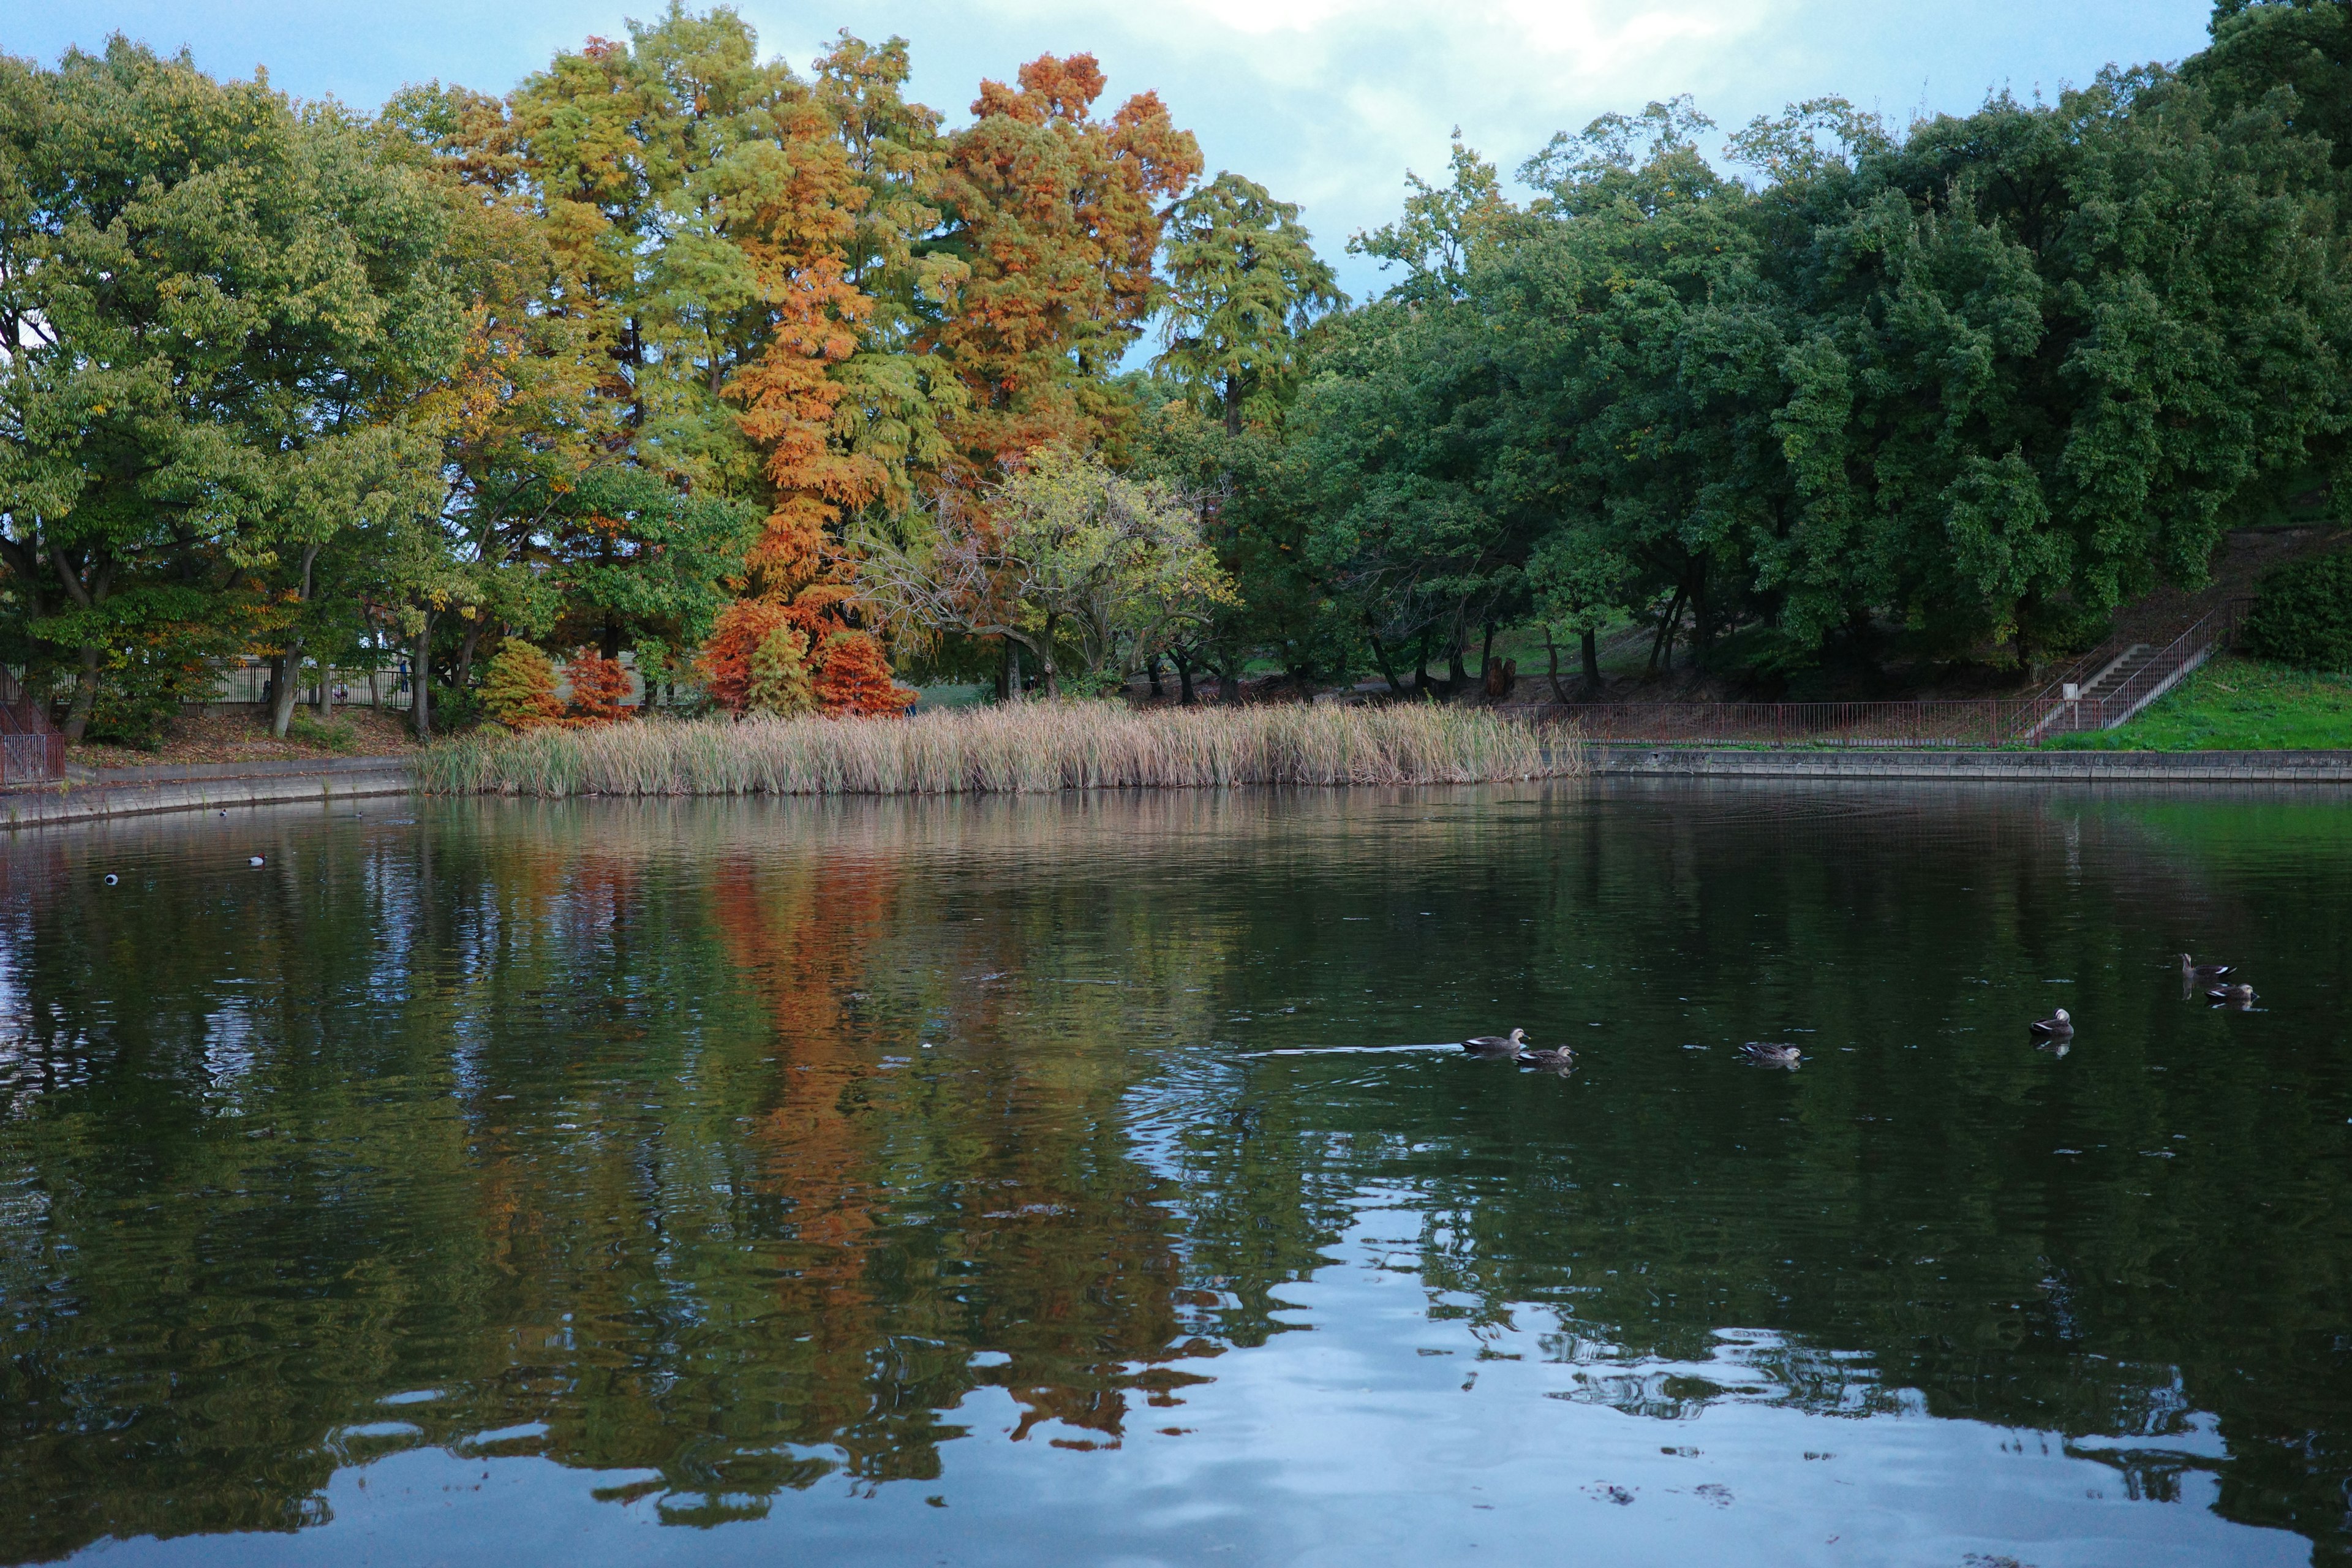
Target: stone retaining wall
[[87, 801], [2034, 766]]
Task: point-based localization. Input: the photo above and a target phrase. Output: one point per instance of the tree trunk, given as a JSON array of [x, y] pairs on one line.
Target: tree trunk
[[85, 691], [420, 684], [1420, 682], [1551, 652], [1664, 644], [375, 688], [1458, 674], [608, 643], [326, 691], [1229, 681], [88, 595], [1380, 658], [1591, 641], [1183, 664], [1152, 667], [1045, 652], [285, 685], [472, 640], [1486, 654]]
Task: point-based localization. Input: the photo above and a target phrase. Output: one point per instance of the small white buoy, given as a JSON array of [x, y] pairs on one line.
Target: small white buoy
[[927, 1044], [111, 879], [255, 860]]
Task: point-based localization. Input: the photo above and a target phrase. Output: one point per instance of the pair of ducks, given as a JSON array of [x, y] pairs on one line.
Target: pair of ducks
[[2237, 994], [1514, 1045], [2193, 974]]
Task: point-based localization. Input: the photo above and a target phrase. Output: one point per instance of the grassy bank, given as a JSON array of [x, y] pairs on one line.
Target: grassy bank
[[1031, 748], [2236, 705]]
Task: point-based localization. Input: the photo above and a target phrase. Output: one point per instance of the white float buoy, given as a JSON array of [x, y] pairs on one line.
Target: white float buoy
[[111, 879]]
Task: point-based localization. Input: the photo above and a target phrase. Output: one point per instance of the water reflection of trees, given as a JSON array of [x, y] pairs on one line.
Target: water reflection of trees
[[614, 1125]]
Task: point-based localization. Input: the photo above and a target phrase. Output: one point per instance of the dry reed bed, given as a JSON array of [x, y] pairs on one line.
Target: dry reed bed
[[1030, 748]]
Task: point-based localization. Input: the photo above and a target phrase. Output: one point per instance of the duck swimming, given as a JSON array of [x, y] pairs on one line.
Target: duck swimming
[[2200, 973], [1557, 1058], [1770, 1054], [1496, 1044], [2239, 996], [2057, 1026]]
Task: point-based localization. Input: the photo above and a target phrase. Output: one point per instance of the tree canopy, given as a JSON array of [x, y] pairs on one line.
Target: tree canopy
[[674, 345]]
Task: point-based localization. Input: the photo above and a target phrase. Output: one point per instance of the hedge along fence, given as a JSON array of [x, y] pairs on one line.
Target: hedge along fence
[[2301, 615], [1027, 748]]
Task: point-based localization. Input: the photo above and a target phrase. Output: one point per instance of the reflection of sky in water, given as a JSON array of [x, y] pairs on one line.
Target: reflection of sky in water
[[1378, 1436]]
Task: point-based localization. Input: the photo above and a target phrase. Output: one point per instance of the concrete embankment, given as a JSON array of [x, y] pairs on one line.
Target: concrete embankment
[[1961, 766], [141, 791]]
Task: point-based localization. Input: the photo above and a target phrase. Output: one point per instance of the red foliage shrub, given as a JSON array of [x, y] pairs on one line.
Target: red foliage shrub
[[725, 661], [851, 675], [599, 687], [856, 679]]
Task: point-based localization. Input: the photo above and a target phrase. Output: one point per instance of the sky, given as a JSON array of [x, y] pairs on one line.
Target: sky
[[1326, 102]]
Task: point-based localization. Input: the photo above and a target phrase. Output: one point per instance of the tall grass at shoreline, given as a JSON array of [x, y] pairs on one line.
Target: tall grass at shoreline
[[1029, 748]]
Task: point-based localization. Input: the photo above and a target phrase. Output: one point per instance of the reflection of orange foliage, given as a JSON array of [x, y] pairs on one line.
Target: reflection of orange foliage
[[852, 676], [802, 942], [1078, 1278], [599, 687]]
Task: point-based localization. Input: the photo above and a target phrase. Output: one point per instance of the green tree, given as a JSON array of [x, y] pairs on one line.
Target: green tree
[[1243, 282], [1069, 556], [218, 311]]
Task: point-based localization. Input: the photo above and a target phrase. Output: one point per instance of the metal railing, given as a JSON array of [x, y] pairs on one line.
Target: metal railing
[[2146, 675], [31, 749]]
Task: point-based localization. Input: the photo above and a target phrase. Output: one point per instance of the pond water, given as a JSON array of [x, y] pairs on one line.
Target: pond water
[[1051, 1181]]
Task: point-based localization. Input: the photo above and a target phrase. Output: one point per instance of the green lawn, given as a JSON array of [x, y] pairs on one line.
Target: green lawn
[[2236, 705]]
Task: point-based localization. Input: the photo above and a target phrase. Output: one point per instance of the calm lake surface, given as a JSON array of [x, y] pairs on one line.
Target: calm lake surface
[[1046, 1181]]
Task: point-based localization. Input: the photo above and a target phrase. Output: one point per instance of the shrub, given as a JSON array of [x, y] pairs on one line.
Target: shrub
[[153, 670], [2302, 615], [336, 736], [856, 679], [725, 661], [519, 690], [778, 684], [455, 708], [599, 686]]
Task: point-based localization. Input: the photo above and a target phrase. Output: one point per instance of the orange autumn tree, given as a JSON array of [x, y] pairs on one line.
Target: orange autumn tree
[[836, 414], [1057, 214]]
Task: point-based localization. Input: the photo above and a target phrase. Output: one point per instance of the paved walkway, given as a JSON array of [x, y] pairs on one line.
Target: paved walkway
[[2036, 767], [200, 786]]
